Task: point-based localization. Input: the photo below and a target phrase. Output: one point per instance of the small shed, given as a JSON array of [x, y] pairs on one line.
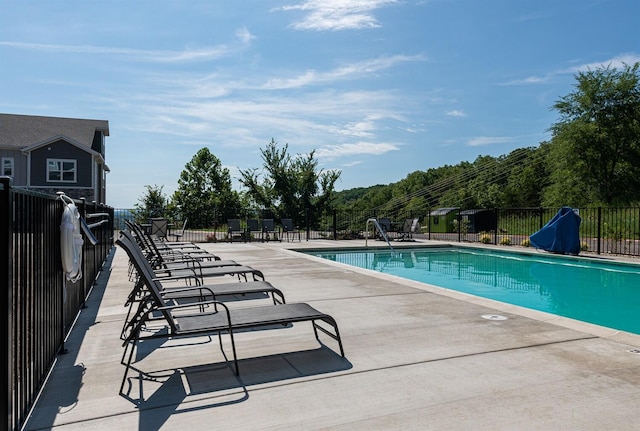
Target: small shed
[[441, 220], [479, 220]]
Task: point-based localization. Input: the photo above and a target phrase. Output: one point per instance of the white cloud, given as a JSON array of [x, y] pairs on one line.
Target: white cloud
[[456, 113], [360, 148], [360, 128], [617, 62], [488, 140], [347, 71], [160, 56], [351, 164], [308, 122], [336, 15], [244, 35], [614, 63], [529, 80]]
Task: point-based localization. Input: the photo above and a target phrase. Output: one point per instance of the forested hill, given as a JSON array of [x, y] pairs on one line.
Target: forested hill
[[519, 179]]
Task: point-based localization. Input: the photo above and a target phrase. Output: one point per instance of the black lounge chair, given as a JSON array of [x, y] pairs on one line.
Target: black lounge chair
[[146, 241], [201, 292], [167, 260], [158, 318], [197, 271], [164, 264]]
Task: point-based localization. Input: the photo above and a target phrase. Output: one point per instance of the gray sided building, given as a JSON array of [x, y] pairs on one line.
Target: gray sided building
[[51, 154]]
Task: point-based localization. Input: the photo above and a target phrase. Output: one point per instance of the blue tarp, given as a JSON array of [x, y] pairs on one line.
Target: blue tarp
[[560, 234]]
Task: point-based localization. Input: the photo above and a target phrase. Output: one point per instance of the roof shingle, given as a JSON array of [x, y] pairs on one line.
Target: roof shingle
[[19, 131]]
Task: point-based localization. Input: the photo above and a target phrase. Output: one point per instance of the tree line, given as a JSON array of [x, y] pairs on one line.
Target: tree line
[[592, 158]]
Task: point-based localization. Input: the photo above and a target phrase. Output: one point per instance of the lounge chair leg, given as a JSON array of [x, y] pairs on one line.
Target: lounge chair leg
[[233, 349], [335, 335], [127, 365]]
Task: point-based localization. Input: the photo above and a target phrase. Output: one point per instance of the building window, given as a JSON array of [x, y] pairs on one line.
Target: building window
[[61, 171], [7, 166]]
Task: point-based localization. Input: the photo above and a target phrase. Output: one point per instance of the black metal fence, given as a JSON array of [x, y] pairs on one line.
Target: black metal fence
[[602, 230], [41, 306]]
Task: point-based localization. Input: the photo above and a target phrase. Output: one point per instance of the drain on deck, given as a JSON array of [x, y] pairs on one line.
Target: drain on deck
[[493, 317]]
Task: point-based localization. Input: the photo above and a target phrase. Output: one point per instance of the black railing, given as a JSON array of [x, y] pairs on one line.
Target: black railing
[[41, 306], [602, 231]]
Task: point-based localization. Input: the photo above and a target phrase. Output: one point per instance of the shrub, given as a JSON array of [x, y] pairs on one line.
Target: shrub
[[485, 238], [525, 242], [505, 240], [584, 246]]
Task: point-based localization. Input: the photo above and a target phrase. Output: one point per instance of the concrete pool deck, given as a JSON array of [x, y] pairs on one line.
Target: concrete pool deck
[[417, 357]]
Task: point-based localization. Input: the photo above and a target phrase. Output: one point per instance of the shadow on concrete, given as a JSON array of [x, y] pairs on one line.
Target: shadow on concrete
[[66, 369], [160, 394]]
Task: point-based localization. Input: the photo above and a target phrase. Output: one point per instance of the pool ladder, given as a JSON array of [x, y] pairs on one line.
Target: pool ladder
[[376, 225]]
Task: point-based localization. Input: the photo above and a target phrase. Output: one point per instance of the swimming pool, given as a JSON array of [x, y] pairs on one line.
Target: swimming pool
[[602, 293]]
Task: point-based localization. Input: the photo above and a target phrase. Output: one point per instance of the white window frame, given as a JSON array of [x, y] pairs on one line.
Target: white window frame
[[61, 167], [8, 165]]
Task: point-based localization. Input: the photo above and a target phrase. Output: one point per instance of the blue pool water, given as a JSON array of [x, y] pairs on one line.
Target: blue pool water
[[606, 294]]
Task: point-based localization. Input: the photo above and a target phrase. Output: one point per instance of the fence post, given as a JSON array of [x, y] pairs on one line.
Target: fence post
[[541, 211], [83, 215], [495, 232], [599, 230], [6, 286], [335, 224]]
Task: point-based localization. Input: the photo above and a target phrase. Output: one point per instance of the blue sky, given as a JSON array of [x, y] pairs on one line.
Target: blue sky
[[378, 88]]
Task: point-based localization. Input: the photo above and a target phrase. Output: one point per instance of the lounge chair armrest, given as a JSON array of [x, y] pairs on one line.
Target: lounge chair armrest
[[177, 277], [194, 304], [189, 289]]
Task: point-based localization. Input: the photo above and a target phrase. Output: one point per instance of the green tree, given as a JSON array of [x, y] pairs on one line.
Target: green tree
[[204, 191], [596, 142], [527, 178], [288, 185], [153, 203]]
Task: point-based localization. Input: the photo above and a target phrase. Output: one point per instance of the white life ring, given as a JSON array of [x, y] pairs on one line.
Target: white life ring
[[71, 242]]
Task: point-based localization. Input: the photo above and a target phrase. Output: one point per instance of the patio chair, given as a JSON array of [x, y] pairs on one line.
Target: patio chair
[[179, 234], [158, 318], [254, 230], [410, 227], [235, 229], [269, 232], [159, 228], [288, 229], [385, 225]]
